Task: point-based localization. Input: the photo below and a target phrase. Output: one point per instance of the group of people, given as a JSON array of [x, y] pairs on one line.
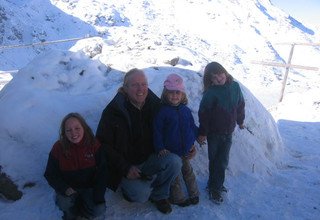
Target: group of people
[[143, 145]]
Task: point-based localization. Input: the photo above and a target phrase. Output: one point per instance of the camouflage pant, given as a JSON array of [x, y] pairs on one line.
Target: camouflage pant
[[177, 194]]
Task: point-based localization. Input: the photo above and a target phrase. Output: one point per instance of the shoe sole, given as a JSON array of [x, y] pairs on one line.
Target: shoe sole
[[216, 202]]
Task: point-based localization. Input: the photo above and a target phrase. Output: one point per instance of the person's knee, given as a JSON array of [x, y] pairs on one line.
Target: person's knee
[[174, 163], [136, 190], [65, 202], [136, 195]]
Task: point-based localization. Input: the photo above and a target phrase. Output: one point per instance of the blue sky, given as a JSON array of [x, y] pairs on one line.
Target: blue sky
[[302, 10]]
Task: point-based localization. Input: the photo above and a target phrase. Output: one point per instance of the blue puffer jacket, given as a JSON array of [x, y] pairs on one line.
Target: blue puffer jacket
[[174, 129]]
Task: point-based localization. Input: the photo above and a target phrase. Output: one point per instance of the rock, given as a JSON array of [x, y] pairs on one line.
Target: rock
[[8, 188]]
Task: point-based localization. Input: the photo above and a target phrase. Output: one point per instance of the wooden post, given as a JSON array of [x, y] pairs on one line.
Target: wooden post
[[284, 82]]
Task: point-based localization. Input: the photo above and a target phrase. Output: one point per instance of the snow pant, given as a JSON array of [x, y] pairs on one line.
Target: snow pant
[[218, 152], [162, 170], [80, 204], [176, 191]]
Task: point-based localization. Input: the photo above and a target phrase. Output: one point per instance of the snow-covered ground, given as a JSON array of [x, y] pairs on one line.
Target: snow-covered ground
[[5, 77], [274, 163]]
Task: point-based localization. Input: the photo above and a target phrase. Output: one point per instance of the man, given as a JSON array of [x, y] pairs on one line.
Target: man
[[126, 131]]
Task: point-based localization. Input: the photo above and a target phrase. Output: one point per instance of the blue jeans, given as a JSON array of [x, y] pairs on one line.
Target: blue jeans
[[218, 152], [163, 170], [80, 204]]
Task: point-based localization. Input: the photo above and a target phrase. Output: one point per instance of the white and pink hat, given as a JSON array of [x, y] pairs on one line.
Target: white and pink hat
[[174, 82]]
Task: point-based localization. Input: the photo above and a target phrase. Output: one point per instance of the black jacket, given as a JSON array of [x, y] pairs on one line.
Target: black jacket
[[126, 133]]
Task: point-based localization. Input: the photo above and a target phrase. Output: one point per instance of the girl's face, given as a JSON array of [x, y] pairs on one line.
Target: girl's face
[[174, 97], [219, 79], [74, 130]]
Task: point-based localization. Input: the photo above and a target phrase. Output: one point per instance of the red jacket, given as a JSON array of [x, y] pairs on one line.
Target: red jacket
[[84, 167]]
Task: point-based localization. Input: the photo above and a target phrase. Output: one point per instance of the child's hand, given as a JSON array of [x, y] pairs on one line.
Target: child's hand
[[191, 153], [70, 191], [163, 153], [201, 139]]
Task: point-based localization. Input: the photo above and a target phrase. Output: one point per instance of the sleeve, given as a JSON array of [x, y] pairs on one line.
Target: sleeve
[[108, 133], [53, 175], [204, 113], [240, 108], [158, 126], [100, 182]]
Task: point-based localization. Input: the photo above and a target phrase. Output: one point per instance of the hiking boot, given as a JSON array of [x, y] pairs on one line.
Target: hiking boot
[[215, 196], [194, 200], [163, 206], [224, 189]]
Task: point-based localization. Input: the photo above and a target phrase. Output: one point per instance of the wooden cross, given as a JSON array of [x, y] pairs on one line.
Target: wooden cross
[[288, 65]]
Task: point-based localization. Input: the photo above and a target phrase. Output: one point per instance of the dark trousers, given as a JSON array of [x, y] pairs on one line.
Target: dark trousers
[[80, 204], [218, 152]]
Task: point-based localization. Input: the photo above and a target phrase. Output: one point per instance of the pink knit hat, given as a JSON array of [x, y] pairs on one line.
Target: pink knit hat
[[174, 82]]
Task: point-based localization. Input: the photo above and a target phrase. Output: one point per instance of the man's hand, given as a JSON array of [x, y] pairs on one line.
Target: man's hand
[[133, 173], [70, 191], [241, 126]]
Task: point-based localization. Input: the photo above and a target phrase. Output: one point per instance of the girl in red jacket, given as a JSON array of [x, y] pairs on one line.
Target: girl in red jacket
[[76, 170]]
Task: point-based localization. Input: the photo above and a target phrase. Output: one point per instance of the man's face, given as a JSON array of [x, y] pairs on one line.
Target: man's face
[[137, 89]]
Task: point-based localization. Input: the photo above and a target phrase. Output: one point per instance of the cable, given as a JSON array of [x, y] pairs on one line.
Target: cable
[[44, 43]]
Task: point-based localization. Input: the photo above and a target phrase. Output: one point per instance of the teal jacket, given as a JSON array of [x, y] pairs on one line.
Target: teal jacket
[[221, 107]]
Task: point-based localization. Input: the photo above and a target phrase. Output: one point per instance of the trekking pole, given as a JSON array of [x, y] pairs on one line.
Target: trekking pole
[[248, 129]]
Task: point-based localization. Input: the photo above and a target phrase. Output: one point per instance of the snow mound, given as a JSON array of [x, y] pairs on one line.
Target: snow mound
[[39, 95]]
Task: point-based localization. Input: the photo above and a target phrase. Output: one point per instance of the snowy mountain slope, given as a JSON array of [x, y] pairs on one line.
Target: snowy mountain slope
[[27, 22], [233, 32]]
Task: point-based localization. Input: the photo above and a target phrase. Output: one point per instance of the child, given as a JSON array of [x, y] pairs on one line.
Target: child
[[221, 107], [175, 132], [76, 170]]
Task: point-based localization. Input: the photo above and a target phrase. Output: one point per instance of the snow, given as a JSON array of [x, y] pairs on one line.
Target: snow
[[274, 163]]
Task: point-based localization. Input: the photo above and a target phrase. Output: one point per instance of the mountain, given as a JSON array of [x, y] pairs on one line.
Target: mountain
[[233, 32]]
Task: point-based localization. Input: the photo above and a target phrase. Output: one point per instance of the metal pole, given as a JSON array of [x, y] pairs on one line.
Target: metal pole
[[284, 82]]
